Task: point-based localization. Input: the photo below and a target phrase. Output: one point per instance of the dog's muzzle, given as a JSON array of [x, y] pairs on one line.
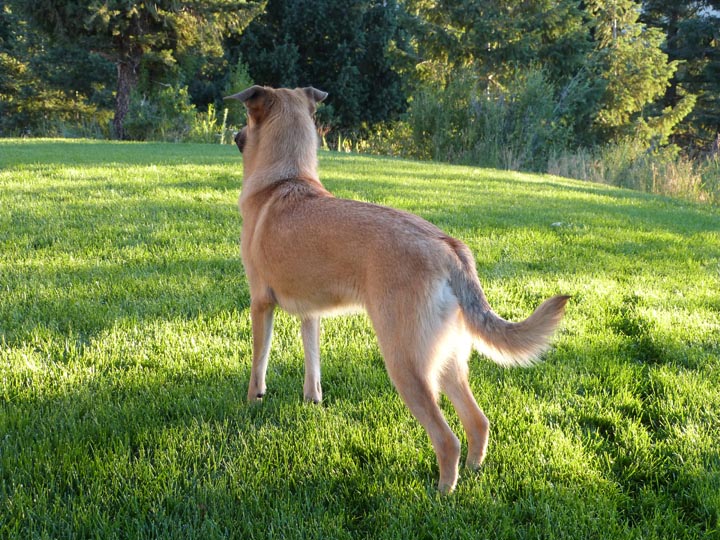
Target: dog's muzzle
[[240, 139]]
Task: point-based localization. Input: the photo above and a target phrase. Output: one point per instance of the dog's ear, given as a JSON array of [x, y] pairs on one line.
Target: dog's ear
[[315, 96], [256, 99]]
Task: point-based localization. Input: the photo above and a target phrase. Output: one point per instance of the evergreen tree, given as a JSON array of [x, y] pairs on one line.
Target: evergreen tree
[[692, 37], [502, 37], [607, 67], [341, 47], [42, 85], [635, 71], [124, 31]]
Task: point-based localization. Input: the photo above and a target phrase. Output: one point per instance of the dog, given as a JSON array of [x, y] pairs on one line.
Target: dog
[[313, 254]]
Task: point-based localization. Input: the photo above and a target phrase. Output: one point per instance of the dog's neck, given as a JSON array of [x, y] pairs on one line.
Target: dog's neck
[[290, 153], [261, 177], [261, 180]]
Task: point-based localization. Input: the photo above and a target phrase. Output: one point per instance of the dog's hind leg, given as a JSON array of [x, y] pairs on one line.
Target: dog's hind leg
[[261, 315], [421, 400], [410, 343], [310, 331], [454, 383]]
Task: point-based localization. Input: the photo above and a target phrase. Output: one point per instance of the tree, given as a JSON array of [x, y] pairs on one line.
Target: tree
[[124, 31], [692, 38], [636, 72], [341, 47], [502, 37], [607, 68], [45, 88]]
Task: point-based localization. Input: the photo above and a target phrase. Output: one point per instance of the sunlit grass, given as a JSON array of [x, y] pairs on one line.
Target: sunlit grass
[[125, 350]]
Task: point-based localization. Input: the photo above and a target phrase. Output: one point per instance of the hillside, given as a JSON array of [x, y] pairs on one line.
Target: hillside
[[125, 351]]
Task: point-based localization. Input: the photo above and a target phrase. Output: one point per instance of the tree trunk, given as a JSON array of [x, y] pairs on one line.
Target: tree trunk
[[127, 80], [672, 46]]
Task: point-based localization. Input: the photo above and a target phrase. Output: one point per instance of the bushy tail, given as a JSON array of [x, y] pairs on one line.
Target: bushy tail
[[504, 342]]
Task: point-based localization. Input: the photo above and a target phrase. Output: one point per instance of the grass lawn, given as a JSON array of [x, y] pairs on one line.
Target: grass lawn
[[125, 354]]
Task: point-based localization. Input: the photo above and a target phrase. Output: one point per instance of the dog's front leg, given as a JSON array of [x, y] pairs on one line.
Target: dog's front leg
[[310, 330], [261, 315]]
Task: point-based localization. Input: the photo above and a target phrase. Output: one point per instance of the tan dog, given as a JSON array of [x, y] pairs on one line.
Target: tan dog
[[313, 254]]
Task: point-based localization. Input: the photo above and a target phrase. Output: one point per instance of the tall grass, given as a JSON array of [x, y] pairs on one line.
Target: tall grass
[[530, 126], [125, 352], [624, 166]]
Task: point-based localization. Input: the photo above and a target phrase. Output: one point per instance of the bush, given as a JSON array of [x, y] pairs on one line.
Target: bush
[[238, 80], [207, 129], [166, 115], [391, 139], [511, 127]]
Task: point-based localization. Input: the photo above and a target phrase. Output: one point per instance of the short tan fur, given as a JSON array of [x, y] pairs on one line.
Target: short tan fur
[[313, 254]]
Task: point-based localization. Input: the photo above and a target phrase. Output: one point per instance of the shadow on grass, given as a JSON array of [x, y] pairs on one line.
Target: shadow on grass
[[69, 152], [178, 450], [150, 450], [82, 301]]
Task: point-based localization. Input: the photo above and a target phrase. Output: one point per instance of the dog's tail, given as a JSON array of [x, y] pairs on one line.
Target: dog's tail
[[506, 343]]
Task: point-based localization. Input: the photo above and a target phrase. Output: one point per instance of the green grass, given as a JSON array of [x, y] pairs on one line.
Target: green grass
[[125, 352]]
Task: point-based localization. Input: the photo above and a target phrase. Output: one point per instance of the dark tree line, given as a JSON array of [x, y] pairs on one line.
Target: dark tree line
[[563, 73]]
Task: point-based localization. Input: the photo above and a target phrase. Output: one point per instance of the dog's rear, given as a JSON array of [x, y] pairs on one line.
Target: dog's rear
[[312, 254]]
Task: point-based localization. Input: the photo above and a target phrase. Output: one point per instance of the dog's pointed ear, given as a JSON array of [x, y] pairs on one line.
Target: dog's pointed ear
[[256, 100], [248, 94], [315, 95]]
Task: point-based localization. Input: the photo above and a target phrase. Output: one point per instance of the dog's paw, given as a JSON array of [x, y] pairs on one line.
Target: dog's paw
[[475, 459], [313, 392], [446, 489]]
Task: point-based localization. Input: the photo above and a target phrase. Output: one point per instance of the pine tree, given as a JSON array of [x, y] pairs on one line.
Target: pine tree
[[124, 31], [692, 37], [502, 37], [635, 71], [44, 86]]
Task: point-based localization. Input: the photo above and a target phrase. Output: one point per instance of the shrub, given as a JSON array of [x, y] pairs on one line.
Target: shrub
[[391, 139], [238, 80], [512, 127], [165, 115]]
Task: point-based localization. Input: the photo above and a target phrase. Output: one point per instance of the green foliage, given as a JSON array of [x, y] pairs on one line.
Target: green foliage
[[125, 32], [517, 126], [340, 47], [125, 350], [238, 80], [507, 83], [603, 68], [636, 72], [502, 37], [28, 108], [692, 38], [36, 97], [208, 128], [166, 115], [205, 128]]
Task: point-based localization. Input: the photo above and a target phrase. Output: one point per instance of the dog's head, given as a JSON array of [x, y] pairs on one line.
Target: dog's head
[[276, 110]]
